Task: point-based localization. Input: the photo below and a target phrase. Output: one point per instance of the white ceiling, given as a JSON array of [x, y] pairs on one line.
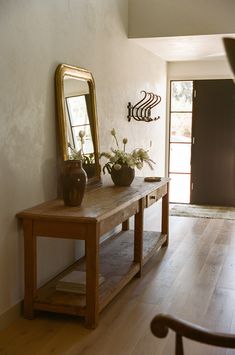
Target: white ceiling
[[172, 49]]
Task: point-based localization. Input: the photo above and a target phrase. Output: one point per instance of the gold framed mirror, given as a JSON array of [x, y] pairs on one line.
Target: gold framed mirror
[[77, 118]]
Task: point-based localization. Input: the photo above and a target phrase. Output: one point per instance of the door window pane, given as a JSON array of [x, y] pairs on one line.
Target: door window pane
[[180, 158], [77, 109], [181, 95], [88, 147], [181, 127], [180, 140], [180, 188]]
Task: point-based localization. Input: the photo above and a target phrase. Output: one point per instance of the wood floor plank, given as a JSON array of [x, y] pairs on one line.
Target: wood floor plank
[[193, 278]]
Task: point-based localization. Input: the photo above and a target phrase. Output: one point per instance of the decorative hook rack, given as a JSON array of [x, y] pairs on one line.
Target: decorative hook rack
[[142, 110]]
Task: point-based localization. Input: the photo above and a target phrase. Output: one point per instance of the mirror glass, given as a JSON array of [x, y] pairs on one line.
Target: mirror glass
[[76, 106]]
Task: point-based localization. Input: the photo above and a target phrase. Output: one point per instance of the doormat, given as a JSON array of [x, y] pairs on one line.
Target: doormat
[[202, 211]]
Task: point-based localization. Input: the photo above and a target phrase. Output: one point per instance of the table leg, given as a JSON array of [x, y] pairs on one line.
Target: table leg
[[92, 277], [126, 225], [165, 216], [138, 236], [30, 268]]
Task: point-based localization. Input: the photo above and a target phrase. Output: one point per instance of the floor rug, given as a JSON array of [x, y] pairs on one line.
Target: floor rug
[[202, 211]]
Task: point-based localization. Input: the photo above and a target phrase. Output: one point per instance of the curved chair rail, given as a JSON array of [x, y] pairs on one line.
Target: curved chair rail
[[163, 322]]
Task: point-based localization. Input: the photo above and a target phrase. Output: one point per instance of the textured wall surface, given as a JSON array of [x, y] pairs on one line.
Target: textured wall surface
[[207, 69], [158, 18], [35, 37]]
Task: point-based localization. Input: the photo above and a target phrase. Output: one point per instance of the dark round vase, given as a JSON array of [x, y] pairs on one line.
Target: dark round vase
[[74, 180], [90, 170], [123, 176]]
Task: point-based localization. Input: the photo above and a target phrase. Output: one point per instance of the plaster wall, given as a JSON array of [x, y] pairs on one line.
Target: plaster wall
[[35, 37], [205, 69], [158, 18]]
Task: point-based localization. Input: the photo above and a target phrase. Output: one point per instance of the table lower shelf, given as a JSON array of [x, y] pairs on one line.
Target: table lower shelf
[[116, 266]]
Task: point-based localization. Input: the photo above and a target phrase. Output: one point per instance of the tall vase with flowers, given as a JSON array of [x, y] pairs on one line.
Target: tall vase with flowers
[[121, 164], [88, 160], [74, 177]]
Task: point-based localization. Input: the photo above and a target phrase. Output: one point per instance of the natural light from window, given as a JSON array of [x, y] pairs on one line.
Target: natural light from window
[[180, 140]]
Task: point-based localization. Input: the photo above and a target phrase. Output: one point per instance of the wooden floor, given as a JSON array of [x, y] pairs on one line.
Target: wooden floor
[[193, 278]]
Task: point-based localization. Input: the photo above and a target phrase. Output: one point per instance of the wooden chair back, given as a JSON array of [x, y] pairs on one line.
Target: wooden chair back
[[161, 324]]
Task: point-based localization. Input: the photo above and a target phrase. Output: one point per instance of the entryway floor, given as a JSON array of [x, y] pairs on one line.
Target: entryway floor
[[187, 210]]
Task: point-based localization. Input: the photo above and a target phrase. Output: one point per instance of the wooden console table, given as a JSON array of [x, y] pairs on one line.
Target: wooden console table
[[118, 259]]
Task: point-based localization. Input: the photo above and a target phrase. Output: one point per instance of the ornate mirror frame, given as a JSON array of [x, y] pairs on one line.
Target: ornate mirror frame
[[63, 72]]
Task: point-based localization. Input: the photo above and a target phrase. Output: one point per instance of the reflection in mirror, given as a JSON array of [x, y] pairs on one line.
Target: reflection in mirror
[[77, 118]]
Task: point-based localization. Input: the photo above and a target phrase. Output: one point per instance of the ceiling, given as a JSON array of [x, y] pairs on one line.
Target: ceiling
[[171, 49]]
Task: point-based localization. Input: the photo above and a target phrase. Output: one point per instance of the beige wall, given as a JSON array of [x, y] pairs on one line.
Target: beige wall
[[204, 69], [35, 37], [158, 18]]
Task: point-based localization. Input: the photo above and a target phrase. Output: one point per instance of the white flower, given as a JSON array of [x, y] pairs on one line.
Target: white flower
[[112, 159], [139, 166], [143, 154], [81, 134], [119, 157], [113, 132]]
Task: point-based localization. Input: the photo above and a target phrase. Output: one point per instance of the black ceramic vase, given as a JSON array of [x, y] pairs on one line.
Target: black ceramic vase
[[74, 180], [90, 170], [123, 176]]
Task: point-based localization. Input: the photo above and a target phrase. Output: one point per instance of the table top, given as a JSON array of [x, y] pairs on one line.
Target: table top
[[98, 203]]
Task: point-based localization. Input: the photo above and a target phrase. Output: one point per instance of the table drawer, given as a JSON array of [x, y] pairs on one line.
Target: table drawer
[[155, 195]]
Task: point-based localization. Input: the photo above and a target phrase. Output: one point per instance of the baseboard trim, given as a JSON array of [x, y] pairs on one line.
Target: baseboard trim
[[11, 315]]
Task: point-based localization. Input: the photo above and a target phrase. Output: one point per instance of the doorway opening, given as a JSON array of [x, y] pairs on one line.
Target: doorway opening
[[202, 144]]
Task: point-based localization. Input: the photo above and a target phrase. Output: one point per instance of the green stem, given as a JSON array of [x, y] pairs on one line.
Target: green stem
[[116, 141]]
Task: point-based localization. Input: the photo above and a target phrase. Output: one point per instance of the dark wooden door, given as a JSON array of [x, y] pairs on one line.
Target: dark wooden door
[[213, 149]]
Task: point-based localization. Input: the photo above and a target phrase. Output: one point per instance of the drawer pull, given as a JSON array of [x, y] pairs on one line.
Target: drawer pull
[[152, 197]]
